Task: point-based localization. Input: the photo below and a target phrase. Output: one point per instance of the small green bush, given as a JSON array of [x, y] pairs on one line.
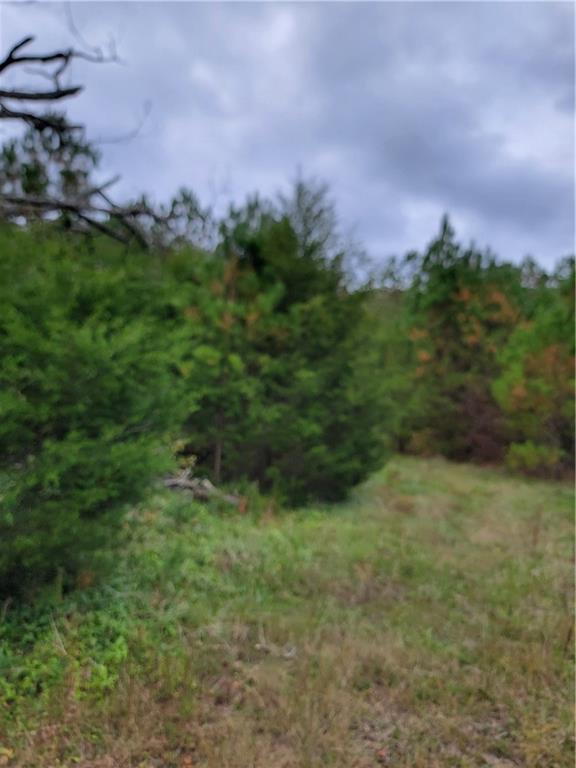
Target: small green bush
[[532, 459]]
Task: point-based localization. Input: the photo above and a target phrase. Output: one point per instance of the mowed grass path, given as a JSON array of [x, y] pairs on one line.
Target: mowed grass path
[[426, 623]]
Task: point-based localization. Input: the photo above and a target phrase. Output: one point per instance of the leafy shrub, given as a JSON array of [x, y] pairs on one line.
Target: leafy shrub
[[532, 459], [86, 395]]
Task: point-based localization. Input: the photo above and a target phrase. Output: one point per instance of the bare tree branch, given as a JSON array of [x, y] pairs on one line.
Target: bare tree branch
[[129, 135], [201, 488], [38, 122], [16, 61], [101, 227], [55, 95], [64, 56], [82, 207], [76, 32], [65, 188], [10, 58]]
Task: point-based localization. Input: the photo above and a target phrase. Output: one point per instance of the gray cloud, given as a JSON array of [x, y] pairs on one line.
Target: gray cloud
[[408, 110]]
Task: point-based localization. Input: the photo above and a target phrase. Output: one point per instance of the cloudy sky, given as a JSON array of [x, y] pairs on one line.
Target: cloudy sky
[[406, 109]]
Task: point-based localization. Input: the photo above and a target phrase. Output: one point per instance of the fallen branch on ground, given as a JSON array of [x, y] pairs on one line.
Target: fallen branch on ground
[[201, 488]]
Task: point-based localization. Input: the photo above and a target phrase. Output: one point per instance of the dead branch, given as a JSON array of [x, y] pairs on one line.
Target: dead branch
[[15, 61], [54, 95], [13, 206], [38, 122], [89, 208], [201, 488], [64, 57]]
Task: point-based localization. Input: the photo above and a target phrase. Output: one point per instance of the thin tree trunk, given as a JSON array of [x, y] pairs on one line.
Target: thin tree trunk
[[218, 447]]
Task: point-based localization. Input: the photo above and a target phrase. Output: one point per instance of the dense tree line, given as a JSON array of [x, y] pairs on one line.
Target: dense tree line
[[257, 361], [480, 355]]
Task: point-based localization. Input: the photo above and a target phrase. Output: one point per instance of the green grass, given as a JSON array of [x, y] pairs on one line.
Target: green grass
[[428, 622]]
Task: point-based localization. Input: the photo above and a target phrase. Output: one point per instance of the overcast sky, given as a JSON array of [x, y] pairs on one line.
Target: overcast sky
[[408, 110]]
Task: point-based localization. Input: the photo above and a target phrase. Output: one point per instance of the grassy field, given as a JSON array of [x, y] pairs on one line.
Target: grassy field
[[428, 622]]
